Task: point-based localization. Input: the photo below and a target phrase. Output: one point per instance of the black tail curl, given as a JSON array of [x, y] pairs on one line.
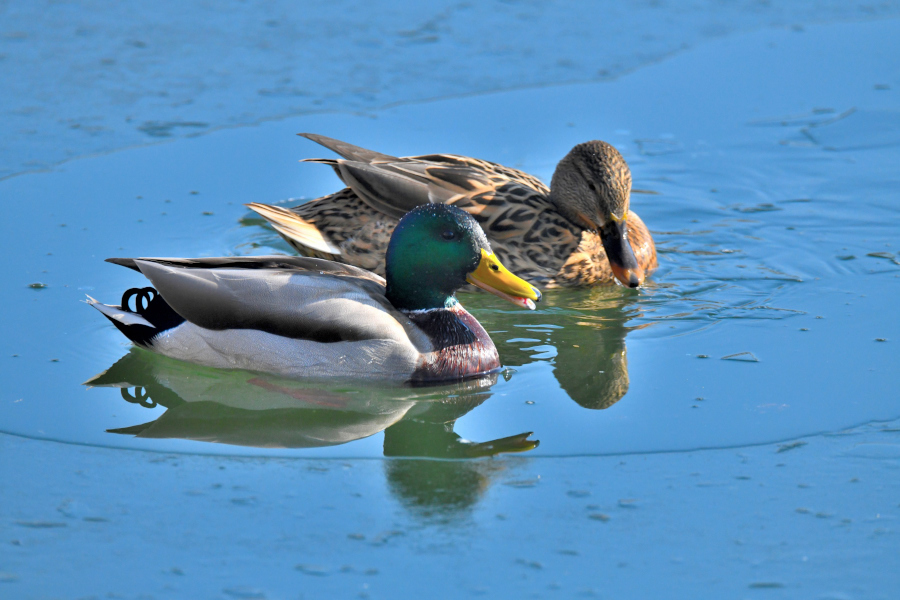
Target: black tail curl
[[150, 305]]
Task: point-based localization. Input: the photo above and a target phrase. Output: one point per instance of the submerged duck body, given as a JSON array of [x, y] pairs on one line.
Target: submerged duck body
[[577, 232], [308, 317]]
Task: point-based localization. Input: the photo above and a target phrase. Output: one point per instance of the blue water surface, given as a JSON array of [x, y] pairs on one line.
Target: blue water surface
[[730, 427]]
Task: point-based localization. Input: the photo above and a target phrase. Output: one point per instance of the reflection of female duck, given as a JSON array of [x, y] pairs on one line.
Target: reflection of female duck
[[249, 409], [596, 379], [587, 329], [312, 318], [577, 232]]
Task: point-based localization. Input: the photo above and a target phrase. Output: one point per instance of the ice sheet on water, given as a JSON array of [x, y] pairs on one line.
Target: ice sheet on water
[[857, 129]]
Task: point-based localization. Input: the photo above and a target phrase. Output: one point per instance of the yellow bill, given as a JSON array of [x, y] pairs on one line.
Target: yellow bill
[[493, 277]]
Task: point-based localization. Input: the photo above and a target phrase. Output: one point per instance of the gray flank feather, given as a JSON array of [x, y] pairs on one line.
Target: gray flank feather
[[300, 305]]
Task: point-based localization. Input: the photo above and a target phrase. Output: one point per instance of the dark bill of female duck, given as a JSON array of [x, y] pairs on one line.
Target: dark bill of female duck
[[622, 261]]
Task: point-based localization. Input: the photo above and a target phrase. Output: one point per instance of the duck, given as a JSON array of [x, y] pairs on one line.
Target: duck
[[578, 232], [306, 317]]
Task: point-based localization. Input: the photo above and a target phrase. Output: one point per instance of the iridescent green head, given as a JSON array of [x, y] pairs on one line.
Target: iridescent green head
[[434, 250]]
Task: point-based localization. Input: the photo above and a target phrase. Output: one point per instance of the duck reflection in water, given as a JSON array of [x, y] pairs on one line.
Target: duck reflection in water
[[442, 490], [586, 329], [252, 409]]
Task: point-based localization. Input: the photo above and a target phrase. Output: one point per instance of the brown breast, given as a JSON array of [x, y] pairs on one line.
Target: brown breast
[[588, 265], [462, 347]]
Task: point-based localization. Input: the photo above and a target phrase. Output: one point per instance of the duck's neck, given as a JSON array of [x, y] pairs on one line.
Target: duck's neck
[[572, 214], [412, 296]]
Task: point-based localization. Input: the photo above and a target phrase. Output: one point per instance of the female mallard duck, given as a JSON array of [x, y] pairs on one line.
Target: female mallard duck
[[308, 317], [577, 232]]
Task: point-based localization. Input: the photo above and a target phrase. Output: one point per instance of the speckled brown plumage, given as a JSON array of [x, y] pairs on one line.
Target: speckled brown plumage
[[549, 238]]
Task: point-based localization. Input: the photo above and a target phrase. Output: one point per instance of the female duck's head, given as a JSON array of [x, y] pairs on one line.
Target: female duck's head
[[592, 187], [434, 250]]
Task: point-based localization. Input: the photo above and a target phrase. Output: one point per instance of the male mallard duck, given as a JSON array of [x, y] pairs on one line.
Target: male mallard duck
[[308, 317], [577, 232]]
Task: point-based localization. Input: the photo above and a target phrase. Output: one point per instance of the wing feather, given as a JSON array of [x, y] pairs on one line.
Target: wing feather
[[388, 191], [294, 304], [349, 151], [275, 262]]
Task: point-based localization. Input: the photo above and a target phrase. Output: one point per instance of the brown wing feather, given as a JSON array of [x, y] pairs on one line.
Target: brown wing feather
[[348, 151]]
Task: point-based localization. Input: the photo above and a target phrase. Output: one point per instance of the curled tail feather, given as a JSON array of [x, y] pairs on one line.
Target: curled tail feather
[[151, 315]]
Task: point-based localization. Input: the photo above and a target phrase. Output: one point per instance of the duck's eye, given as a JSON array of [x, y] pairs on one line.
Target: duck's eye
[[592, 185], [449, 235]]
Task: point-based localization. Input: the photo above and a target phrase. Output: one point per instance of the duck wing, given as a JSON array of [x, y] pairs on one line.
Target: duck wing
[[348, 151], [299, 298], [394, 186], [290, 263]]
